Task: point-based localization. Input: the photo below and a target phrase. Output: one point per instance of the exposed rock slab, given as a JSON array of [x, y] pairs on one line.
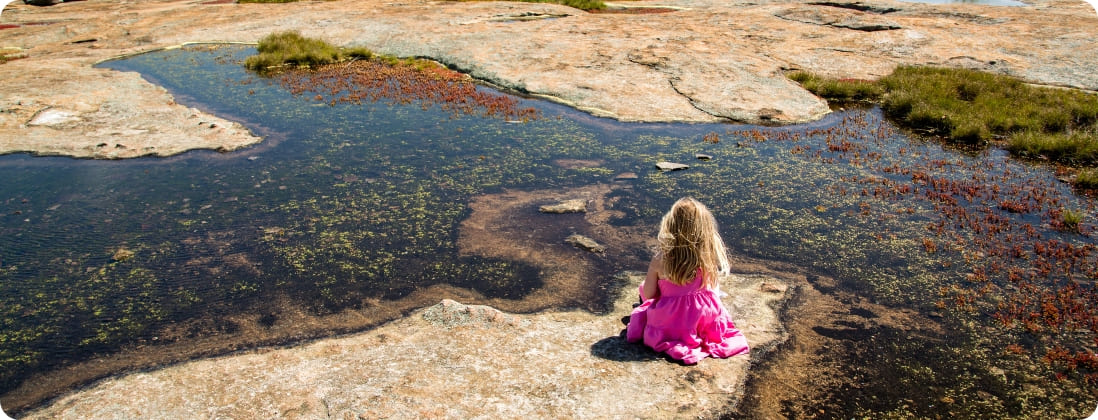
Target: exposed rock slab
[[453, 360], [839, 17], [671, 166], [706, 61], [577, 205]]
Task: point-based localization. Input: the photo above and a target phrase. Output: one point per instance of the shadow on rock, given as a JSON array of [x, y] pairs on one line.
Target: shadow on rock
[[617, 349]]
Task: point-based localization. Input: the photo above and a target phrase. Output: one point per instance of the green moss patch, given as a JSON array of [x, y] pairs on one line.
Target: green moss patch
[[975, 108]]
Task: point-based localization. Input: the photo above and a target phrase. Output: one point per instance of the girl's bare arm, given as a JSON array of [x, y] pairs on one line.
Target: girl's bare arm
[[650, 289]]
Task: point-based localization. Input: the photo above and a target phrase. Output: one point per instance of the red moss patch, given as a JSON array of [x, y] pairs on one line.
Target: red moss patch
[[402, 82]]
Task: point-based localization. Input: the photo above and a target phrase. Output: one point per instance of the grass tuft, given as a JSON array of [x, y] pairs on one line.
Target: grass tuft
[[1071, 219], [1078, 147], [1087, 179], [838, 89], [280, 50], [975, 108]]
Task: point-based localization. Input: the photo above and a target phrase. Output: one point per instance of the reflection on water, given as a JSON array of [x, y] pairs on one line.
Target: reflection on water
[[349, 215]]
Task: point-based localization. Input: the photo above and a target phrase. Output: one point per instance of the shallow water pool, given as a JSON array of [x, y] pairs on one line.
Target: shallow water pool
[[349, 215]]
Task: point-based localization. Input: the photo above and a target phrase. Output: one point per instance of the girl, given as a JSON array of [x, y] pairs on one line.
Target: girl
[[682, 314]]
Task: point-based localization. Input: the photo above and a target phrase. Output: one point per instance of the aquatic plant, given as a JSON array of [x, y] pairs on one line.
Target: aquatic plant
[[402, 81], [1036, 283], [319, 69]]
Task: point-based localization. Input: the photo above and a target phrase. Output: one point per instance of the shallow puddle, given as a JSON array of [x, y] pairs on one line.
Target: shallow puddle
[[350, 215]]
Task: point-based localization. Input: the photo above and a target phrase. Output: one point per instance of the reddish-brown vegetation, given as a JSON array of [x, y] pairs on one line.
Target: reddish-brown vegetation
[[1026, 270], [402, 82]]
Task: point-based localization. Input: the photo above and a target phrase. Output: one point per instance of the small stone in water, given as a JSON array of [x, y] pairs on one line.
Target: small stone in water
[[567, 206], [670, 166], [583, 242], [701, 156]]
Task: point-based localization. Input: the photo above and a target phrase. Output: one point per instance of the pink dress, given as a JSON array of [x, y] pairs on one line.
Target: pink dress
[[687, 322]]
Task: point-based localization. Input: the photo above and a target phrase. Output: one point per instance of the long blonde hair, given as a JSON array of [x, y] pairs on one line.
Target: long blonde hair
[[689, 240]]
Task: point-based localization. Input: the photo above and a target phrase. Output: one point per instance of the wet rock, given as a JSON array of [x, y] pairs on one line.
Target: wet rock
[[122, 254], [626, 176], [583, 242], [578, 205], [671, 166], [702, 156]]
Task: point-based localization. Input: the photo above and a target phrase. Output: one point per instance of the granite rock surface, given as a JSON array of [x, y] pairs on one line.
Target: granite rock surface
[[703, 60]]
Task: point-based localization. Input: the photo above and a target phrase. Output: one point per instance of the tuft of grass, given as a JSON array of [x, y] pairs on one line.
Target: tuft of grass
[[289, 49], [838, 89], [1087, 178], [1075, 147], [974, 107], [1071, 219]]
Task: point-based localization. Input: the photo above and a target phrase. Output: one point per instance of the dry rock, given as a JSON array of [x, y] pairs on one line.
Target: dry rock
[[706, 61], [451, 361]]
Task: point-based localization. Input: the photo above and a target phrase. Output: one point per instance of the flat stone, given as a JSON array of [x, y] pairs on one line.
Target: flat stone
[[626, 176], [578, 205], [671, 166], [583, 242], [702, 156]]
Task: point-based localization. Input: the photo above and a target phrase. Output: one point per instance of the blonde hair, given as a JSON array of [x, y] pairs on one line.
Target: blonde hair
[[689, 240]]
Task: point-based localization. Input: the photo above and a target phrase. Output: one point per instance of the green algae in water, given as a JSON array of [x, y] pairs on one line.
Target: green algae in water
[[348, 205]]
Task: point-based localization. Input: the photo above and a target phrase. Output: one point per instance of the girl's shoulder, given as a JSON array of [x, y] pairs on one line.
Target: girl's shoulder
[[657, 264]]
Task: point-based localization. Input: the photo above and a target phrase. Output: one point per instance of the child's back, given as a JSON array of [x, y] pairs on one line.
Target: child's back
[[682, 314]]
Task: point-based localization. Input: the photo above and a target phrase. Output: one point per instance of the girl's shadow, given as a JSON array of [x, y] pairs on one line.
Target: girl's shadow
[[617, 349]]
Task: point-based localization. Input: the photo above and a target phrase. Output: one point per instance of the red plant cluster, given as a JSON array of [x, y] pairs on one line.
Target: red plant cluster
[[1028, 270], [402, 82]]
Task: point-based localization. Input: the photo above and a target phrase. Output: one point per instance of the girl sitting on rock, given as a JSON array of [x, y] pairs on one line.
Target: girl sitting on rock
[[681, 313]]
